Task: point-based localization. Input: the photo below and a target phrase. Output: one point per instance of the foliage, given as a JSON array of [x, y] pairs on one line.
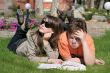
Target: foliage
[[102, 12], [94, 11], [88, 15], [108, 16], [7, 25], [1, 14]]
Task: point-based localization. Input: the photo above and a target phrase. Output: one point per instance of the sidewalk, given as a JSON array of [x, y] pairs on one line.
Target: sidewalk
[[96, 29]]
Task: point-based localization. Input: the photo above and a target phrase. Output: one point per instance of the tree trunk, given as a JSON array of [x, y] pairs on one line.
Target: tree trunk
[[8, 8], [75, 2], [87, 4], [92, 4], [39, 7], [54, 7], [101, 4]]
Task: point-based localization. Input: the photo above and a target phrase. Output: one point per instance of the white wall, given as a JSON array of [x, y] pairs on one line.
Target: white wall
[[47, 0]]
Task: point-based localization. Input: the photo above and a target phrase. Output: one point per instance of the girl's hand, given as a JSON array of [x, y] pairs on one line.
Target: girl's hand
[[74, 60], [80, 34], [55, 61], [47, 36]]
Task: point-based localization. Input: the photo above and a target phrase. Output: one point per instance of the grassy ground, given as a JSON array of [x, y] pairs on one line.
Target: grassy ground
[[11, 63]]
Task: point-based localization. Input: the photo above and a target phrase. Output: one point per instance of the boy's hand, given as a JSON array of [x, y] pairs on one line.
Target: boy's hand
[[99, 62], [80, 34]]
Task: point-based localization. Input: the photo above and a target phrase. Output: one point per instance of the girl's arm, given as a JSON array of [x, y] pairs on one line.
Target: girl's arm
[[49, 51]]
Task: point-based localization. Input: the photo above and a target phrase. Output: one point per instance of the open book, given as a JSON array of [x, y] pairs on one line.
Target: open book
[[66, 65]]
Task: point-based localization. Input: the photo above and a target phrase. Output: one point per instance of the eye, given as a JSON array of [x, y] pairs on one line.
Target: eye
[[71, 37], [77, 39], [42, 22], [47, 25]]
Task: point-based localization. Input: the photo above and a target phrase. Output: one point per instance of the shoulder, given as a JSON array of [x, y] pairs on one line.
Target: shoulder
[[63, 37], [89, 38]]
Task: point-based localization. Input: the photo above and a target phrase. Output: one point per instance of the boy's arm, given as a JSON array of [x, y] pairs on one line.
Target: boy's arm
[[87, 46], [64, 50], [89, 51]]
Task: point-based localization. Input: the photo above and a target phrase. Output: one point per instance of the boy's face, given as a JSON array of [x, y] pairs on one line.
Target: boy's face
[[74, 41]]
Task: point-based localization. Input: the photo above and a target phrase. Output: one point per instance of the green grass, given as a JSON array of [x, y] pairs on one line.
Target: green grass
[[11, 63]]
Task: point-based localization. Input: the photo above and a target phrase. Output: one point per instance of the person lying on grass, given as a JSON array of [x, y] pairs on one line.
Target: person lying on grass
[[39, 45], [77, 45]]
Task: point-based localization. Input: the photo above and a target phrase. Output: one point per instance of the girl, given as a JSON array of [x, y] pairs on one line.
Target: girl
[[39, 44]]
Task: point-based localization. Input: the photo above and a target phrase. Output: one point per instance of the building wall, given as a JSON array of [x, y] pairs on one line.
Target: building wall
[[47, 6], [2, 4]]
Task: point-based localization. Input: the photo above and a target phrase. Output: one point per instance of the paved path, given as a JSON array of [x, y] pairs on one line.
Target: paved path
[[94, 28]]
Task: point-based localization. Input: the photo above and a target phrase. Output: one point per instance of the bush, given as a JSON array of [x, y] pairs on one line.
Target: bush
[[108, 18], [88, 16], [1, 14], [92, 10]]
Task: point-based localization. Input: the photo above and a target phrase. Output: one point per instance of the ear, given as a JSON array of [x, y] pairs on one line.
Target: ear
[[52, 32]]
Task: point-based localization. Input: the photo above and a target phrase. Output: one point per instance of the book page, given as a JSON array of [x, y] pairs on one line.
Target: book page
[[66, 65], [49, 66]]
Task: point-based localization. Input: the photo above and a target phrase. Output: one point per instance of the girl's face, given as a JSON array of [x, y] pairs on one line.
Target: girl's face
[[74, 41], [44, 29]]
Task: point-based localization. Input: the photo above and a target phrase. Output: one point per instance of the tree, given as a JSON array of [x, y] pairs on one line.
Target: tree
[[8, 7], [92, 4], [54, 7], [39, 7], [101, 4]]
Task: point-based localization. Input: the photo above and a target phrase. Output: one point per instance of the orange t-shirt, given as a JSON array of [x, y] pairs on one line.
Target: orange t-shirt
[[66, 50]]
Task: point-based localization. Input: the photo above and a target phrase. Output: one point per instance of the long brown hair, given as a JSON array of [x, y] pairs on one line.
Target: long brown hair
[[56, 25]]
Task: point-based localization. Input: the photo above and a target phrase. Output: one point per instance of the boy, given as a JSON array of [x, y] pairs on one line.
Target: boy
[[77, 45]]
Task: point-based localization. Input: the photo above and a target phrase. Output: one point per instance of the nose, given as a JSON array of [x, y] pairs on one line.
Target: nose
[[74, 41], [42, 25]]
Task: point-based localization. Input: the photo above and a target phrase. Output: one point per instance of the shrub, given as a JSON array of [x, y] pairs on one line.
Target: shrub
[[108, 18], [88, 15]]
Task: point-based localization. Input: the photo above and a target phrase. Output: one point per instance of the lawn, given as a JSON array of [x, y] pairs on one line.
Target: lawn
[[11, 63]]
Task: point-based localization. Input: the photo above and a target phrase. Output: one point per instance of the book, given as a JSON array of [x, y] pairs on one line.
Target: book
[[66, 65]]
